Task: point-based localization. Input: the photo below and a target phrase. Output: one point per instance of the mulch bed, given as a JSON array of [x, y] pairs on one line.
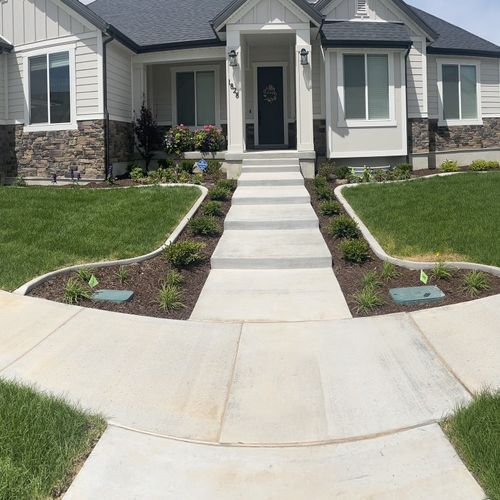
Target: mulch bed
[[145, 279], [350, 275]]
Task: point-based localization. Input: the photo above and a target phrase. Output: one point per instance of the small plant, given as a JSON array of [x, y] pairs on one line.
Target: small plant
[[184, 178], [367, 299], [136, 173], [184, 254], [330, 208], [342, 172], [122, 274], [229, 184], [476, 282], [371, 279], [355, 251], [197, 179], [85, 274], [344, 227], [449, 166], [169, 298], [214, 169], [389, 272], [327, 170], [483, 165], [147, 135], [441, 271], [174, 278], [219, 194], [186, 166], [209, 139], [320, 182], [213, 209], [166, 163], [406, 168], [20, 181], [325, 193], [179, 140], [205, 226], [75, 291]]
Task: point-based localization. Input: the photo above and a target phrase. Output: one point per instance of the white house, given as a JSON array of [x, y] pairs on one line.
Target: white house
[[359, 81]]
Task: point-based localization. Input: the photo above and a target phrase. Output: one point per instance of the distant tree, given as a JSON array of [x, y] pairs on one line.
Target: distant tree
[[147, 135]]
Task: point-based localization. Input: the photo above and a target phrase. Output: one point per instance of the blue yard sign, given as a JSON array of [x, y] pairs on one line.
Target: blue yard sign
[[202, 165]]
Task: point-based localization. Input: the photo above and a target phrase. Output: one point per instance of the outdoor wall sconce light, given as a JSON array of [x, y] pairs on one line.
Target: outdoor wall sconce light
[[233, 58], [304, 57]]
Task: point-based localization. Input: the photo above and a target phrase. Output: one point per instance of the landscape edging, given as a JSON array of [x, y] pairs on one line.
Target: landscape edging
[[408, 264], [27, 287]]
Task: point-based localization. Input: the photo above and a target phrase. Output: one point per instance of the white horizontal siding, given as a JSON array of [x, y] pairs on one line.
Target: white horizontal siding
[[87, 74], [432, 88], [119, 78], [27, 21], [416, 80], [15, 93]]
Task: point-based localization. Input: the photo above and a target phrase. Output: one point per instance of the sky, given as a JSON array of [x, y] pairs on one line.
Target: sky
[[478, 16]]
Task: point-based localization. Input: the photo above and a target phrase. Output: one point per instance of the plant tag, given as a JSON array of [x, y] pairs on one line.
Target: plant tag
[[93, 282], [423, 277]]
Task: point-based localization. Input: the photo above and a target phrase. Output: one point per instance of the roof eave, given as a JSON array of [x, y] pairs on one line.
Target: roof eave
[[180, 45], [87, 14], [381, 44], [463, 52]]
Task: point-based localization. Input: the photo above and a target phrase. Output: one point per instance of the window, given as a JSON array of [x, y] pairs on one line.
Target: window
[[366, 87], [195, 92], [49, 89], [459, 92]]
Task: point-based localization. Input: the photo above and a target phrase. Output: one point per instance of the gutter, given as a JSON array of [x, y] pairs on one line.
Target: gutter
[[105, 103], [407, 55]]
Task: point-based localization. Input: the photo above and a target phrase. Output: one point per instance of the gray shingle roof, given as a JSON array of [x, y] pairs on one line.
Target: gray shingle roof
[[453, 39], [361, 34], [5, 45]]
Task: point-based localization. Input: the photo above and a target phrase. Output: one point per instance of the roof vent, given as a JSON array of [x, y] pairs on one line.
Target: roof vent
[[361, 8]]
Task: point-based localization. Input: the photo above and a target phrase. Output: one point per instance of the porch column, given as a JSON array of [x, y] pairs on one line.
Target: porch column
[[235, 99], [139, 88], [305, 138]]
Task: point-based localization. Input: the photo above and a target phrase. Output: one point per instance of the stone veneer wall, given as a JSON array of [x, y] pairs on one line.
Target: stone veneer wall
[[121, 141], [7, 147], [427, 136]]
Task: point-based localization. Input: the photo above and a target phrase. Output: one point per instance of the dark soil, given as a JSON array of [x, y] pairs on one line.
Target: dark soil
[[350, 275], [145, 279]]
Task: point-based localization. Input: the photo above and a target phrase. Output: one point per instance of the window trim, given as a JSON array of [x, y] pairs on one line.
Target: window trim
[[47, 127], [365, 123], [442, 122], [195, 69]]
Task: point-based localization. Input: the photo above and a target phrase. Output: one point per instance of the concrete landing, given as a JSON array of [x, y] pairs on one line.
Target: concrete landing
[[414, 465], [271, 295], [261, 249]]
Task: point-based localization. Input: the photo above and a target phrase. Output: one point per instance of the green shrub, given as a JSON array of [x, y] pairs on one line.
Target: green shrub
[[483, 165], [355, 251], [205, 226], [184, 178], [476, 282], [367, 299], [169, 298], [330, 208], [75, 291], [325, 193], [371, 279], [136, 173], [209, 139], [214, 169], [441, 271], [174, 278], [229, 184], [406, 168], [389, 272], [320, 182], [213, 209], [342, 172], [122, 274], [327, 170], [186, 166], [178, 140], [197, 179], [219, 194], [449, 166], [85, 273], [166, 163], [343, 227], [183, 254]]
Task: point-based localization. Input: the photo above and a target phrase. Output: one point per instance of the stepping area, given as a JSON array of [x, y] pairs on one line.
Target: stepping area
[[272, 230]]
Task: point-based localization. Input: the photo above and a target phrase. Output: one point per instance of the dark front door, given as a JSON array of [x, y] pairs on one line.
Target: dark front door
[[271, 112]]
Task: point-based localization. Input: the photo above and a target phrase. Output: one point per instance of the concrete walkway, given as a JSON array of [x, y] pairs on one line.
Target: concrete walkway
[[272, 263], [200, 410]]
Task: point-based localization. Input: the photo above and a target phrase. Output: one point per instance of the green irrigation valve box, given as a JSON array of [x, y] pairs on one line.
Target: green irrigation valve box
[[117, 296], [416, 295]]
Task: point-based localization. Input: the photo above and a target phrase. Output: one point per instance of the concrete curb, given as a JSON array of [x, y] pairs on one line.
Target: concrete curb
[[27, 287], [408, 264]]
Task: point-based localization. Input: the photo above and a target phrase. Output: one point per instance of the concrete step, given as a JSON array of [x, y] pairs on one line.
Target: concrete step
[[271, 217], [271, 179], [270, 168], [270, 154], [274, 195], [270, 161], [270, 249]]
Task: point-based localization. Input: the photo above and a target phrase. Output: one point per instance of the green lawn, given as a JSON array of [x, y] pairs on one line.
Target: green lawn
[[42, 442], [475, 433], [43, 229], [456, 216]]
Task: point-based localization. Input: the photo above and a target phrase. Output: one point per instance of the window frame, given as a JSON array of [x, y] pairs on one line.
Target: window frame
[[366, 122], [47, 127], [442, 122], [196, 69]]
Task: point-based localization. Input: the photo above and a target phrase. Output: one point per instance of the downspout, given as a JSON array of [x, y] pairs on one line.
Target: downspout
[[407, 55], [105, 104]]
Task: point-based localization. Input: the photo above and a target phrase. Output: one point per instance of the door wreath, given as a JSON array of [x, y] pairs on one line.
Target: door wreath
[[270, 94]]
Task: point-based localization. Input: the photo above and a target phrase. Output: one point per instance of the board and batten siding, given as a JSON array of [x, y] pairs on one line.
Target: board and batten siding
[[490, 85], [318, 80], [119, 79], [28, 21]]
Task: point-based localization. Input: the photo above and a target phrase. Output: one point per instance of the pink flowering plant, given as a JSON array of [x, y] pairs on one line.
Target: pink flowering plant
[[209, 139], [179, 139]]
